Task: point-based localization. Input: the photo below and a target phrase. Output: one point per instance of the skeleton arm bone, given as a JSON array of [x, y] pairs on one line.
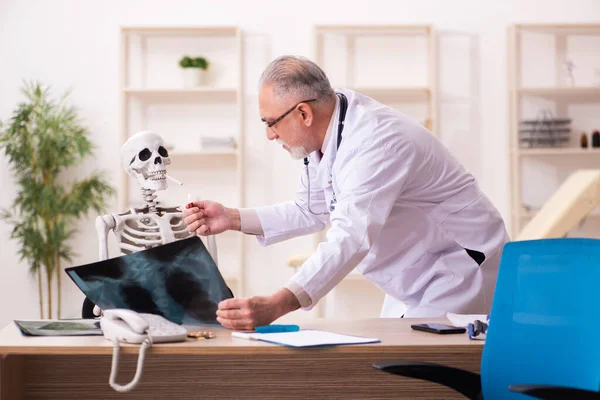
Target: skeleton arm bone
[[211, 241], [104, 224]]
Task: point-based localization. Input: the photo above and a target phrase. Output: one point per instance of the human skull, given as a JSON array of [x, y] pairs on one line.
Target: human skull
[[145, 157]]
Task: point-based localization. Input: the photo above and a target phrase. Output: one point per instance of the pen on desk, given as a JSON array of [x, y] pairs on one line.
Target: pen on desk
[[265, 329], [277, 328]]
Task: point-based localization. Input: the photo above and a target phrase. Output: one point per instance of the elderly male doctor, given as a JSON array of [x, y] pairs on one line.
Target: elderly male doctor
[[402, 209]]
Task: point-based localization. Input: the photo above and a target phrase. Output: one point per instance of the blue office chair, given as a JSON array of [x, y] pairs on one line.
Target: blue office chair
[[544, 334]]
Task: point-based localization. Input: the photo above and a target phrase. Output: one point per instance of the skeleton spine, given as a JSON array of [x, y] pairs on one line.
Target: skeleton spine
[[150, 199]]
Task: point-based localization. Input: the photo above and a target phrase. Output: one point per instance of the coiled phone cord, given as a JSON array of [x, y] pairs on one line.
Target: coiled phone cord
[[140, 366]]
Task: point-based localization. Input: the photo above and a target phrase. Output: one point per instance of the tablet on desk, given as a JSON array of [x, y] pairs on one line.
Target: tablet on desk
[[66, 327]]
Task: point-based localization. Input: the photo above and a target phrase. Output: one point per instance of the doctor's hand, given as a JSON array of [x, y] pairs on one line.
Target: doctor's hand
[[207, 217], [240, 314]]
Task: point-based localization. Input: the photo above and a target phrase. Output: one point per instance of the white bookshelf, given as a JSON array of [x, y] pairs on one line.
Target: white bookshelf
[[358, 57], [573, 151], [404, 93], [153, 97], [537, 53], [180, 91], [206, 153], [562, 92]]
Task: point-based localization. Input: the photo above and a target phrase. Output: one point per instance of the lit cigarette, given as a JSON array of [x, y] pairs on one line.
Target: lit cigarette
[[175, 180]]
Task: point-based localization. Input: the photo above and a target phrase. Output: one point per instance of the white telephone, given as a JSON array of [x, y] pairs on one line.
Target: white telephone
[[121, 325]]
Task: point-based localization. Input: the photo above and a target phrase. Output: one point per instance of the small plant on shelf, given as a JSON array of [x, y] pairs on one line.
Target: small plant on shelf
[[194, 70], [198, 62]]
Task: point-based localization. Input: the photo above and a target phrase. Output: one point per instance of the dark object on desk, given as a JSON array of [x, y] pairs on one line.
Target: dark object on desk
[[542, 339], [75, 327], [584, 140], [596, 139], [178, 281], [478, 329], [440, 329]]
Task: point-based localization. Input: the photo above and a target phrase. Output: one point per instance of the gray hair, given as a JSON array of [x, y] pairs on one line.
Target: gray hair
[[297, 77]]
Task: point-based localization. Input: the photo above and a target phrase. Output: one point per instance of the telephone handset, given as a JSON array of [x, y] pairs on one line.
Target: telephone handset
[[130, 327], [121, 325]]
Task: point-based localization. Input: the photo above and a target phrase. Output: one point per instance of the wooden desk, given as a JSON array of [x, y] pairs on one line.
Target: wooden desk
[[230, 368]]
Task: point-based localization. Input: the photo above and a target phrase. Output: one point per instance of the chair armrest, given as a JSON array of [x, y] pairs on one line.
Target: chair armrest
[[550, 392], [464, 382]]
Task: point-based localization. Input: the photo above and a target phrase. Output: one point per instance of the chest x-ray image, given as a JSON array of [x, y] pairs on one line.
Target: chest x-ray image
[[178, 281]]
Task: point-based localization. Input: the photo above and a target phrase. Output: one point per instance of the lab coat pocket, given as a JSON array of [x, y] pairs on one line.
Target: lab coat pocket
[[414, 278], [455, 204]]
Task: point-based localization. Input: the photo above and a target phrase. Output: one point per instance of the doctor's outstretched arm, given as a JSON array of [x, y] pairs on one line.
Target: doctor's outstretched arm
[[271, 224], [290, 219]]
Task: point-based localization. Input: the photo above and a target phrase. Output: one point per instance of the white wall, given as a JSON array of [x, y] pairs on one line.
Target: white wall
[[75, 44]]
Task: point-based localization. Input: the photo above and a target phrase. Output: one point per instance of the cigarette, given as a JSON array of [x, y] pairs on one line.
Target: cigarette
[[175, 180]]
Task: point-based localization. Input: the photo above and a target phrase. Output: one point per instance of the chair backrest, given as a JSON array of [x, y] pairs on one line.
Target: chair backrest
[[545, 318]]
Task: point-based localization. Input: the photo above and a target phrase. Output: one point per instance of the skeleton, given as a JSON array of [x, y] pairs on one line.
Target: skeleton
[[145, 157]]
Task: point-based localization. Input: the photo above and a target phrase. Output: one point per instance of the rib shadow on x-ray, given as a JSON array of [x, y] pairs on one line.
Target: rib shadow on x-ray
[[178, 281]]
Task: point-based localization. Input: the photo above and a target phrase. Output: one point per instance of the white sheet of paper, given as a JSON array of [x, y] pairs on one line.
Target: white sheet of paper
[[464, 319], [308, 338]]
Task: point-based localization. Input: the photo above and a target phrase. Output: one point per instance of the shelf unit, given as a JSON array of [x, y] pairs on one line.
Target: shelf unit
[[557, 92], [166, 94], [531, 214], [405, 93], [353, 43], [580, 93], [557, 152], [150, 78], [206, 153]]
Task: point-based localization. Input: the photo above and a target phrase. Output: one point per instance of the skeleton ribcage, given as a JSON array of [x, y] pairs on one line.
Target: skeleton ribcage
[[144, 231]]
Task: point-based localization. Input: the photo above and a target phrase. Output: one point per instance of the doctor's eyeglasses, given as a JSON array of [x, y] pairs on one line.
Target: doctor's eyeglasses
[[270, 124]]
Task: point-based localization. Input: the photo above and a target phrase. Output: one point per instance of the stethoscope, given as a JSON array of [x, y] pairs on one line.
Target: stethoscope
[[342, 117]]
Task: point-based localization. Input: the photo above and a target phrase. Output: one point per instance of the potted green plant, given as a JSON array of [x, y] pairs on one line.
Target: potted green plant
[[42, 141], [194, 70]]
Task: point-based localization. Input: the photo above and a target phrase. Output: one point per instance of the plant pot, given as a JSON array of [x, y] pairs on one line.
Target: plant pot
[[193, 77]]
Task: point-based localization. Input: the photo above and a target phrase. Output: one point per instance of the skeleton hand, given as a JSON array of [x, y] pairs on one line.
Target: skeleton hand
[[209, 218]]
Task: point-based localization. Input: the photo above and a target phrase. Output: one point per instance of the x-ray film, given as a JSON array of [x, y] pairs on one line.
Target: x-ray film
[[179, 281]]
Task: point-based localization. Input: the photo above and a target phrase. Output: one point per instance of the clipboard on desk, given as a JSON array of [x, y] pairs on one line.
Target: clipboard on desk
[[305, 338]]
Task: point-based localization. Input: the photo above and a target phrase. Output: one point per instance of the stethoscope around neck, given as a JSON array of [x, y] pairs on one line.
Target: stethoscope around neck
[[341, 118]]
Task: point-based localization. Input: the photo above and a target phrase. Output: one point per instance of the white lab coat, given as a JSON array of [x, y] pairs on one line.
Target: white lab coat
[[405, 211]]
